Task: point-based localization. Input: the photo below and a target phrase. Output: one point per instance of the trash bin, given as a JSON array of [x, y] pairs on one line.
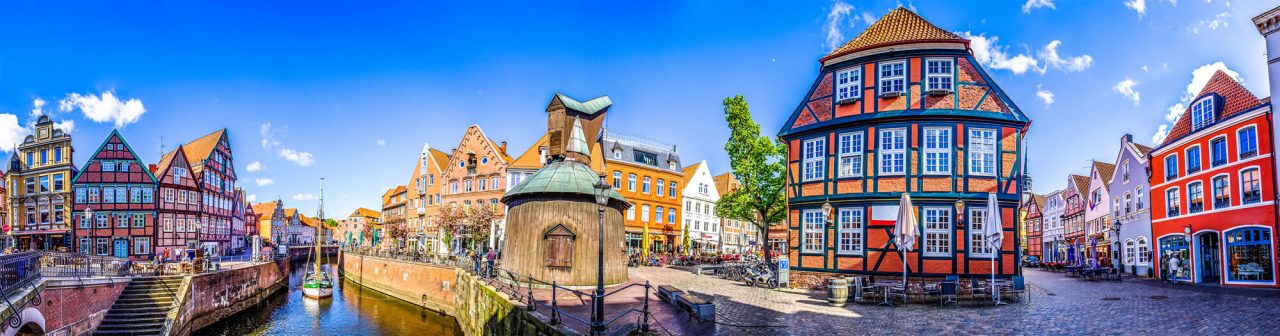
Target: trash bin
[[838, 291]]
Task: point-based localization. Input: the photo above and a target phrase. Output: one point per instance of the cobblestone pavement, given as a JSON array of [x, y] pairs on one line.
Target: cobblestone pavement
[[1059, 305]]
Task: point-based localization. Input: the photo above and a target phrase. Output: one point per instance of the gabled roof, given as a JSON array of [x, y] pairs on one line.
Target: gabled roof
[[532, 157], [726, 183], [1142, 149], [440, 158], [688, 171], [898, 27], [367, 213], [265, 210], [1105, 171], [1081, 184], [590, 107], [290, 212], [127, 147], [1040, 201], [1236, 99]]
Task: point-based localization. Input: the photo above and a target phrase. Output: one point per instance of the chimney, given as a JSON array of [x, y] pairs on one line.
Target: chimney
[[152, 168], [503, 146], [675, 149]]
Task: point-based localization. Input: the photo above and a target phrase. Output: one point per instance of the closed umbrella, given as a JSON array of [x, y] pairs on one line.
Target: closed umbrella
[[906, 231], [993, 231]]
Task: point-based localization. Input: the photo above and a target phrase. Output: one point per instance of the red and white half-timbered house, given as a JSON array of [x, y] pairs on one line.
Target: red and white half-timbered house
[[114, 209]]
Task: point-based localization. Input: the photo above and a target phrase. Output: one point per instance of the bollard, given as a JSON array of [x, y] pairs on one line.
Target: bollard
[[644, 327], [532, 307], [555, 317]]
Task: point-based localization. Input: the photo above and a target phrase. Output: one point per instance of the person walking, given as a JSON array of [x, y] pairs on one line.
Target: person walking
[[490, 258], [1175, 265]]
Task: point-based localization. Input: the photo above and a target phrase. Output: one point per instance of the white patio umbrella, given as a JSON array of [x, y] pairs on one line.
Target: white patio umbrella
[[993, 231], [905, 231]]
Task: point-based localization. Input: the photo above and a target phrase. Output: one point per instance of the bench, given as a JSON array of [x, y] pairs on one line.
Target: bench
[[669, 293], [703, 309], [708, 269]]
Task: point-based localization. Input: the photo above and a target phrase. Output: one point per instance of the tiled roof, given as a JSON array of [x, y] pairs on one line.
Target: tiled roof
[[1040, 200], [592, 106], [265, 209], [725, 183], [367, 213], [899, 26], [1105, 171], [440, 158], [560, 177], [289, 212], [1236, 99], [665, 154], [688, 171], [1142, 150], [1082, 184], [532, 157]]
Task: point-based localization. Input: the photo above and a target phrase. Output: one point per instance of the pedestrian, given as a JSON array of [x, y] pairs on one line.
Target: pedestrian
[[1174, 266], [490, 258]]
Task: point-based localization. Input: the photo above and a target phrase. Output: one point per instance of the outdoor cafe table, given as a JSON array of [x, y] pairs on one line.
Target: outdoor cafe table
[[995, 290], [886, 285]]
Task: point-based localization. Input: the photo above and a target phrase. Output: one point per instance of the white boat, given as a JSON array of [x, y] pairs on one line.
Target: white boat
[[317, 284]]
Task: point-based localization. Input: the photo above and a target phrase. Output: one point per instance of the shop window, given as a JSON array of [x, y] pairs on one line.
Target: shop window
[[1176, 246], [559, 241], [1249, 255]]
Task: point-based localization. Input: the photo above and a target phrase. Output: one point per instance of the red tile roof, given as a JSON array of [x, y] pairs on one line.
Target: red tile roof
[[1236, 99], [897, 27], [1082, 184]]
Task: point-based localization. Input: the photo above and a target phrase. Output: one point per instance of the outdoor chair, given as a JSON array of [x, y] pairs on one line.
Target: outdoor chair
[[1020, 287], [899, 289], [976, 289], [947, 292], [867, 288]]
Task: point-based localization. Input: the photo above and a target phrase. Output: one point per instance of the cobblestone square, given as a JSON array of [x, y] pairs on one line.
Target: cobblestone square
[[1059, 305]]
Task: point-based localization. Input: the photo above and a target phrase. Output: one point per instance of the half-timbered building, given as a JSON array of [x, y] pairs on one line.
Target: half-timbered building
[[903, 108], [114, 208], [178, 204]]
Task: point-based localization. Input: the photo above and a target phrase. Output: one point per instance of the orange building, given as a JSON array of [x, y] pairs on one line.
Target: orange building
[[647, 173], [474, 175], [393, 211]]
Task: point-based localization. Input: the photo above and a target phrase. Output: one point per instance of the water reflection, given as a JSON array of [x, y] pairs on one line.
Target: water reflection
[[353, 310]]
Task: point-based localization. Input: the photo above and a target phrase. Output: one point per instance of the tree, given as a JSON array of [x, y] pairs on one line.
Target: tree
[[759, 164], [472, 221]]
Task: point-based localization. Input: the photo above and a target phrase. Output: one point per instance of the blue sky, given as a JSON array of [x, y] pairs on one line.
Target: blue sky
[[351, 92]]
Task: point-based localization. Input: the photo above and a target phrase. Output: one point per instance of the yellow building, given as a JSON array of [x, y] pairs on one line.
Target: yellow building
[[648, 174], [39, 192]]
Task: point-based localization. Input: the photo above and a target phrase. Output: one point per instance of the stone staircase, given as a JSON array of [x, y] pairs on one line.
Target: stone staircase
[[141, 308]]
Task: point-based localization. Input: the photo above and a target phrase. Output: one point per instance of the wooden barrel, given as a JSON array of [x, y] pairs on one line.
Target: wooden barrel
[[838, 291]]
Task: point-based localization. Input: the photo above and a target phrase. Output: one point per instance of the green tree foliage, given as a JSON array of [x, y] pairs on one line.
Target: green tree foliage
[[759, 164]]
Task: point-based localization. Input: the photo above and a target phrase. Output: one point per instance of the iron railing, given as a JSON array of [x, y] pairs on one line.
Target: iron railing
[[1252, 196], [18, 270]]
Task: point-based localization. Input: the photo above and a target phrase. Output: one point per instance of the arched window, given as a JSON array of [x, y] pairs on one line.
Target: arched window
[[1130, 250], [1249, 252], [1221, 192], [1248, 146], [1144, 251]]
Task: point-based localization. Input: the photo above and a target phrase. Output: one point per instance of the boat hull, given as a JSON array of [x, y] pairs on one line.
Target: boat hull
[[317, 292]]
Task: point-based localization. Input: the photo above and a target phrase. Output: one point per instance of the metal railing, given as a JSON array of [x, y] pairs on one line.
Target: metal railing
[[19, 270]]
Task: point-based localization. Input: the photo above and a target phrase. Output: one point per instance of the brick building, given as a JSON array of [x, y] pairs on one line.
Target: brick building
[[394, 211], [1213, 188], [475, 175], [178, 204], [424, 200], [271, 221], [213, 170], [115, 208], [904, 107]]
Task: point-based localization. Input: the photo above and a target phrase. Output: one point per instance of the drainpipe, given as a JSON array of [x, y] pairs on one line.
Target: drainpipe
[[1275, 208]]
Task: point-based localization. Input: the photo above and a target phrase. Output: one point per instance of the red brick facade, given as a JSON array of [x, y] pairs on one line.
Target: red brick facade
[[114, 209]]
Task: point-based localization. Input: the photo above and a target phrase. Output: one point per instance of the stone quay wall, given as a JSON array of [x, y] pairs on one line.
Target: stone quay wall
[[479, 308], [75, 307], [205, 299]]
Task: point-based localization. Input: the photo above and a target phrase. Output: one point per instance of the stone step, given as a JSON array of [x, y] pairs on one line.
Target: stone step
[[109, 323], [122, 311], [152, 314], [159, 306], [147, 329]]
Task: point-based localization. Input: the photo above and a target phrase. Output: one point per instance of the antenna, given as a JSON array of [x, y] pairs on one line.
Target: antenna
[[321, 199], [162, 146]]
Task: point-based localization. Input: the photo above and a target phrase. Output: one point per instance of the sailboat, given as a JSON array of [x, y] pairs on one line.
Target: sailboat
[[317, 284]]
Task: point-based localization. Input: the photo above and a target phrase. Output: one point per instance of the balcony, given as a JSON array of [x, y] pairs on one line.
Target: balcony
[[1173, 212], [422, 211], [1221, 202], [1251, 197], [1248, 154], [1195, 207]]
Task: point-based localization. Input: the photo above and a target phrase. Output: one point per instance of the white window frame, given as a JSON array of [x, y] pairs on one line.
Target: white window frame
[[644, 213], [980, 150], [941, 148], [977, 242], [947, 77], [812, 232], [889, 81], [1258, 180], [852, 145], [850, 237], [1186, 164], [1144, 259], [1130, 252], [1176, 192], [1200, 110], [814, 154], [1226, 155], [1213, 189], [1240, 142], [889, 154], [849, 84], [937, 231], [1139, 205], [1176, 169]]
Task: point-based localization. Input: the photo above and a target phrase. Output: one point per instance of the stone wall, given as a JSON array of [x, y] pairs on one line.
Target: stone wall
[[72, 309], [205, 299], [478, 307]]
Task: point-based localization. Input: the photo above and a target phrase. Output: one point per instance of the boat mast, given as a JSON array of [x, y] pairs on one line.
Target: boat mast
[[318, 231]]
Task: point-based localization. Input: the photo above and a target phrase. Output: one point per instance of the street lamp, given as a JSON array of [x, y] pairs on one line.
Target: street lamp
[[597, 315]]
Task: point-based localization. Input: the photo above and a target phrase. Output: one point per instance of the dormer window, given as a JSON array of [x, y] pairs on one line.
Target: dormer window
[[617, 154], [893, 78], [848, 85], [1202, 113]]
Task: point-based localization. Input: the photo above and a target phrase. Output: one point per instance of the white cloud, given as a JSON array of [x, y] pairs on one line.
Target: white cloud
[[1126, 88], [1139, 6], [262, 182], [251, 198], [1160, 134], [867, 18], [1033, 4], [254, 166], [1174, 112], [1215, 23], [37, 107], [381, 142], [1145, 69], [104, 108], [304, 197], [271, 140], [300, 158], [11, 133], [988, 52], [65, 125], [1045, 95], [1070, 64], [836, 16]]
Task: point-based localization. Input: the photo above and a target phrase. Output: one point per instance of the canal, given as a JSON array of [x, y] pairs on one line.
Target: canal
[[353, 310]]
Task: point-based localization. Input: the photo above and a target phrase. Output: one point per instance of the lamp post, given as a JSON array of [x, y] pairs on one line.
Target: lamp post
[[597, 311]]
